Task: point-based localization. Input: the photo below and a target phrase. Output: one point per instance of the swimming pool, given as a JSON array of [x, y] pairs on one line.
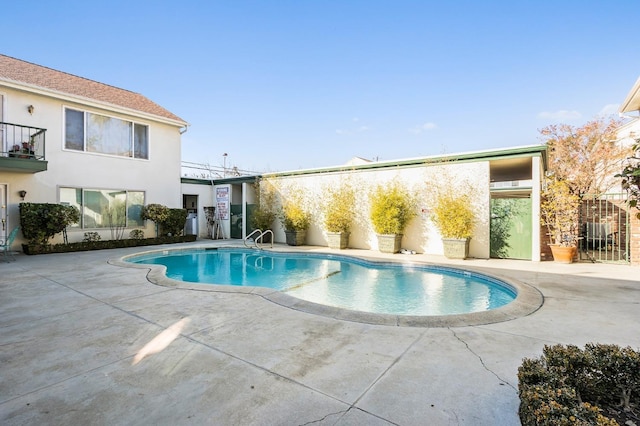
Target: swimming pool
[[339, 281]]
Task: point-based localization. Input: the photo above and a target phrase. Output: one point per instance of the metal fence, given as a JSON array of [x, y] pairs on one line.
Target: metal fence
[[605, 230], [22, 141]]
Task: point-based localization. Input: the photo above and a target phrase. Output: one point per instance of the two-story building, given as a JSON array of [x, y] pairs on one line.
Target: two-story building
[[71, 140]]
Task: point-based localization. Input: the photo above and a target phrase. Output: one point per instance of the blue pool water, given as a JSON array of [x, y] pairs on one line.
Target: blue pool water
[[339, 280]]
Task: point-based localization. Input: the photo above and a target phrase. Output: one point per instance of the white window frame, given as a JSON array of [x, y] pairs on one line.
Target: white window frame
[[81, 224], [85, 112]]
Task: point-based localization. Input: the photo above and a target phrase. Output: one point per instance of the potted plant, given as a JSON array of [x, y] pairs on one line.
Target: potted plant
[[264, 214], [338, 216], [26, 151], [454, 216], [15, 151], [392, 208], [559, 212], [295, 220]]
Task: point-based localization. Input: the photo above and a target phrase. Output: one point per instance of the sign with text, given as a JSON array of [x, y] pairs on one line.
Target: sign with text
[[222, 203]]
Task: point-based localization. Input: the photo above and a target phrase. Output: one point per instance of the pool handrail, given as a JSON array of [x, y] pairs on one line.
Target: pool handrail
[[255, 231], [258, 240]]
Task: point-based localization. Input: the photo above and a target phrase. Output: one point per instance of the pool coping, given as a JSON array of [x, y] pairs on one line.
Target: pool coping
[[528, 299]]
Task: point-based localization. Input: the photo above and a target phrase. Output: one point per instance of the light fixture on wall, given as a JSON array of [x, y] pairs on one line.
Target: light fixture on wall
[[30, 109], [22, 194]]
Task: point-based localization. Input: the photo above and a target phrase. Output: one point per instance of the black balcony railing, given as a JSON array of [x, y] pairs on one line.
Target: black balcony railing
[[18, 141]]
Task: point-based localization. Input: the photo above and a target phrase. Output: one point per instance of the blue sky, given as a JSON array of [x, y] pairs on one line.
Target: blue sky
[[281, 85]]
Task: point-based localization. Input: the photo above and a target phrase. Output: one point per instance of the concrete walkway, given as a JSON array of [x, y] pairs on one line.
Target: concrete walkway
[[86, 342]]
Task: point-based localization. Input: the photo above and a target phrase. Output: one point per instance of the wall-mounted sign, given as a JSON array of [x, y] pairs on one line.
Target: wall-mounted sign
[[222, 202]]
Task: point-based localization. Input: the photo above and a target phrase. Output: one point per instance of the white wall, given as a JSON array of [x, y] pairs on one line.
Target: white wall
[[205, 199], [420, 235]]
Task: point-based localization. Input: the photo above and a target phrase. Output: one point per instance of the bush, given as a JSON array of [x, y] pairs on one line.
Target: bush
[[136, 234], [548, 405], [174, 224], [293, 215], [168, 221], [91, 236], [262, 219], [567, 384], [453, 215], [264, 215], [104, 244], [155, 212], [41, 221], [392, 208], [340, 209]]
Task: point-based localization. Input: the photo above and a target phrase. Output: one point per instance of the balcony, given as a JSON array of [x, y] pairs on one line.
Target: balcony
[[23, 148]]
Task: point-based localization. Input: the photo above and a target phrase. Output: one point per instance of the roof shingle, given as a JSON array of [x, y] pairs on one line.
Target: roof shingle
[[20, 71]]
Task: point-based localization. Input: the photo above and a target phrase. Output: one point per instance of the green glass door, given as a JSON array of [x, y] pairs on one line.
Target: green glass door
[[236, 221], [511, 228]]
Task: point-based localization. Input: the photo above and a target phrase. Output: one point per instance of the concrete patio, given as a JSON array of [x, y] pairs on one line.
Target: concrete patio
[[77, 336]]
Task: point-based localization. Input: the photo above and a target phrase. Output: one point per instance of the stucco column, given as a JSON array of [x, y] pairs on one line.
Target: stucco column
[[536, 183], [244, 210]]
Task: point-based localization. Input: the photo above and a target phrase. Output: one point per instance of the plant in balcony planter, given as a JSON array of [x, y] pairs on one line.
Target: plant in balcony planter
[[339, 212], [295, 220], [454, 216], [15, 151], [26, 151], [392, 208], [559, 212]]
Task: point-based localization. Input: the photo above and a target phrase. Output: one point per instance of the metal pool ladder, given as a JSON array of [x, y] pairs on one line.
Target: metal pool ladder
[[257, 241]]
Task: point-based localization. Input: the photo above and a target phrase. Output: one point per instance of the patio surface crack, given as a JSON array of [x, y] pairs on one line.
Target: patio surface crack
[[337, 413], [482, 361]]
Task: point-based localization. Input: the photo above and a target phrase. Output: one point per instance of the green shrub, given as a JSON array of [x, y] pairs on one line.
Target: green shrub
[[173, 225], [264, 215], [41, 221], [566, 384], [262, 219], [616, 374], [168, 221], [91, 236], [136, 234], [392, 208], [103, 244], [548, 405], [155, 212]]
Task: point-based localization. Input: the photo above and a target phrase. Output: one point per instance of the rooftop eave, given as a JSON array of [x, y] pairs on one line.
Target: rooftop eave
[[90, 102], [470, 156], [632, 102]]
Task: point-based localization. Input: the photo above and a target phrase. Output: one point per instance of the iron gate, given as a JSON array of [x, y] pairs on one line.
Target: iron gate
[[605, 232]]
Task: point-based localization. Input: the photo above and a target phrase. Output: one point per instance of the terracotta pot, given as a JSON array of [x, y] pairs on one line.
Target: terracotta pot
[[562, 254]]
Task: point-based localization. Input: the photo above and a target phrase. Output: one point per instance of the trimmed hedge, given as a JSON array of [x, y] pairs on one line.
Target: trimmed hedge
[[41, 221], [101, 245], [567, 385], [169, 221]]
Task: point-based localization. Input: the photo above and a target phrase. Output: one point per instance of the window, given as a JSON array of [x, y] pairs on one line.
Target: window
[[89, 132], [101, 208]]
